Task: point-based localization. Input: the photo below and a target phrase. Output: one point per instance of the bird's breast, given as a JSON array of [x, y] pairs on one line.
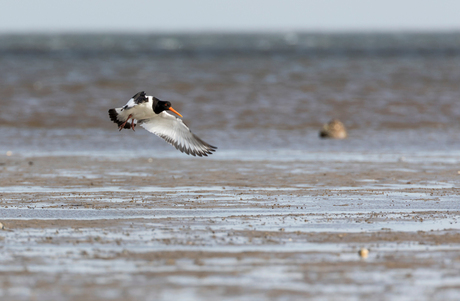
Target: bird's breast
[[142, 111]]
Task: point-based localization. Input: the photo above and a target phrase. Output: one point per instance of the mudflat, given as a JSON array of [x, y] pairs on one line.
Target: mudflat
[[105, 228], [91, 213]]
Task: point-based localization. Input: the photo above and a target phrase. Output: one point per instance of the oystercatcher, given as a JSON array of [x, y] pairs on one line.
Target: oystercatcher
[[150, 113]]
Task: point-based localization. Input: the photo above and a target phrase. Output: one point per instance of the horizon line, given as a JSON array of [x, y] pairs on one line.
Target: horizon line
[[231, 32]]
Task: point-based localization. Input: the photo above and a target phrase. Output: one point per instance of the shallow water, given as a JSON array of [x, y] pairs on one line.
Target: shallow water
[[400, 92]]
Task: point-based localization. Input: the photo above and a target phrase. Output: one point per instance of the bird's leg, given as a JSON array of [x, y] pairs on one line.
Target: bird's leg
[[124, 123], [132, 124]]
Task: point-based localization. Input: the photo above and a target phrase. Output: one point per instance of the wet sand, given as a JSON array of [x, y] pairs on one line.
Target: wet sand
[[105, 228], [276, 213]]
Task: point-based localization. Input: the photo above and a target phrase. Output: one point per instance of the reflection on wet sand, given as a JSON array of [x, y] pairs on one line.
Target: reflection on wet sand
[[245, 228]]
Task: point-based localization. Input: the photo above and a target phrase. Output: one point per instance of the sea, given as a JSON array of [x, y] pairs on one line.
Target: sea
[[253, 95]]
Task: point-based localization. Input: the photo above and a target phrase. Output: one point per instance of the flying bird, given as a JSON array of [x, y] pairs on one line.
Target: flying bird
[[151, 113]]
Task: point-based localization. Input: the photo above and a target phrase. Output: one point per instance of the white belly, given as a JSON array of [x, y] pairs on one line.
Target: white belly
[[142, 111]]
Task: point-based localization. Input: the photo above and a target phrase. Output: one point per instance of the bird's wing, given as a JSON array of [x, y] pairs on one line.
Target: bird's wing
[[130, 104], [135, 100], [176, 133]]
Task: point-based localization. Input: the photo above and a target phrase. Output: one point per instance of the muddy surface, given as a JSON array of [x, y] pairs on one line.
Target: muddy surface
[[91, 213], [87, 228]]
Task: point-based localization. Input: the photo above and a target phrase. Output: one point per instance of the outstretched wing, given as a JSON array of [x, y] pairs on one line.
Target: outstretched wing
[[176, 133]]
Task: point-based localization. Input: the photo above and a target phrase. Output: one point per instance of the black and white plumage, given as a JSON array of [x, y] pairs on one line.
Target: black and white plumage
[[150, 113]]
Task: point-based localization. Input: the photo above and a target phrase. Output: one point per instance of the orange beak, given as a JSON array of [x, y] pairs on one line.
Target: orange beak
[[171, 109]]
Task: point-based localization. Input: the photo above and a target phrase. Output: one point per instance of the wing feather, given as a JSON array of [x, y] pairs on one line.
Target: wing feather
[[174, 131]]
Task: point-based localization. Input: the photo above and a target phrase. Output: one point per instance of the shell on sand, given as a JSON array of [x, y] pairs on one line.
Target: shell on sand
[[363, 253], [334, 129]]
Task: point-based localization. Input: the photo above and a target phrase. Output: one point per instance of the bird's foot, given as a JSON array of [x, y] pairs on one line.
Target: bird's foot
[[132, 124], [124, 123]]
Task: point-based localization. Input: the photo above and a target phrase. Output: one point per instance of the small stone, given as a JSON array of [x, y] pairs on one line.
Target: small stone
[[334, 129], [363, 253], [2, 226], [9, 153]]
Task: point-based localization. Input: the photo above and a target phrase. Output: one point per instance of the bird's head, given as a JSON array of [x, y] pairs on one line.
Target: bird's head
[[164, 106]]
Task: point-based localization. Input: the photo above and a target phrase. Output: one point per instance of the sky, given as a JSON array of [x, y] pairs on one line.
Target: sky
[[29, 16]]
